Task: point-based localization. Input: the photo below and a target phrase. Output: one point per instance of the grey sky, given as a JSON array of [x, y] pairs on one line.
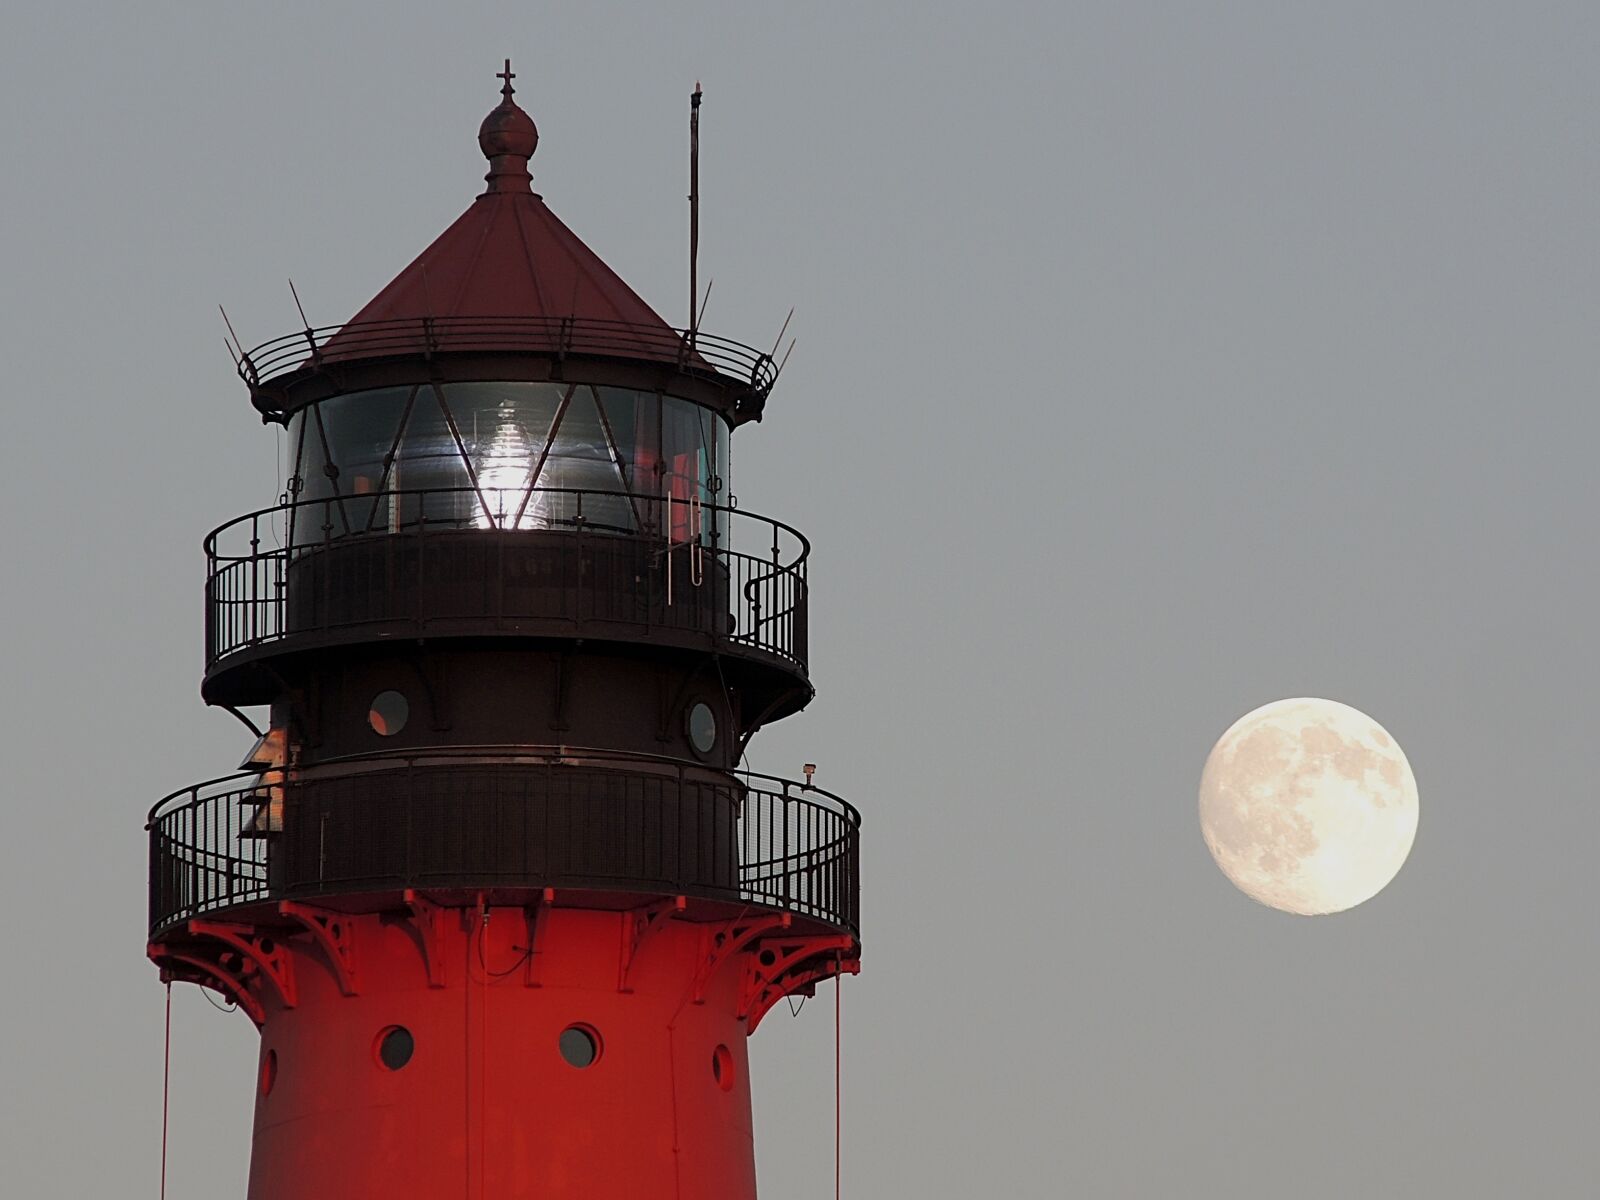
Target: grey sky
[[1155, 361]]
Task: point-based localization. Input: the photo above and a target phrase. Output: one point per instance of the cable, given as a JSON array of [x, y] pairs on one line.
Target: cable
[[166, 1091], [838, 1091], [527, 956], [229, 1007], [483, 962], [512, 969]]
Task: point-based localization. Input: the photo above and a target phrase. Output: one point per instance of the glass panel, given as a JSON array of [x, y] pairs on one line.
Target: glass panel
[[612, 457], [702, 727], [429, 473], [504, 427], [635, 421], [395, 1047], [715, 432], [294, 485], [388, 713], [690, 446], [579, 1045], [582, 459], [622, 414], [341, 475]]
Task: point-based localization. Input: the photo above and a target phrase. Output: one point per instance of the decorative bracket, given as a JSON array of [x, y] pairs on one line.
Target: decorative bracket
[[260, 948], [753, 726], [789, 966], [672, 707], [429, 919], [562, 684], [427, 673], [191, 968], [638, 926], [728, 941], [532, 916], [330, 931]]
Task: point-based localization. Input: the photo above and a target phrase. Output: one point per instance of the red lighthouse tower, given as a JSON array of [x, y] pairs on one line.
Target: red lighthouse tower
[[491, 884]]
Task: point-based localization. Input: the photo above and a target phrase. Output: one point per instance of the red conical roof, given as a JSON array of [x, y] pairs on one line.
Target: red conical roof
[[508, 278], [509, 256]]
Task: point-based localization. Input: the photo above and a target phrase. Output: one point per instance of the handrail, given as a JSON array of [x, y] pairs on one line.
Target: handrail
[[498, 752], [254, 837], [263, 582], [500, 513], [692, 352]]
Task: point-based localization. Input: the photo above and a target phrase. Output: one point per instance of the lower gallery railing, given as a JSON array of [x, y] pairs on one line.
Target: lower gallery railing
[[574, 821]]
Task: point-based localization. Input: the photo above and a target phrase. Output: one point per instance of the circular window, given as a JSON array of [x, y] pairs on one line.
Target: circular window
[[395, 1047], [722, 1068], [269, 1071], [579, 1045], [702, 728], [388, 713]]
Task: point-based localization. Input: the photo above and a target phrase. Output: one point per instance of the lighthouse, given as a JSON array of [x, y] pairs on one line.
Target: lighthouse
[[491, 882]]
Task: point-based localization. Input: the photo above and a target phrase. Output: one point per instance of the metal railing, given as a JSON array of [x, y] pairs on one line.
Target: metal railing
[[693, 353], [507, 560], [504, 818]]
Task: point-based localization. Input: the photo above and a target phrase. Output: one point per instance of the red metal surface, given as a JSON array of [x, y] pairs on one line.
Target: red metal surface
[[487, 1107]]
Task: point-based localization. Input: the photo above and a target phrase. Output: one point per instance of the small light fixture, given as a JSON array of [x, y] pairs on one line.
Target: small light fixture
[[810, 770]]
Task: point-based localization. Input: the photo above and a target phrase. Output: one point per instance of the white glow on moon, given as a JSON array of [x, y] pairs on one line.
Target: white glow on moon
[[1308, 806]]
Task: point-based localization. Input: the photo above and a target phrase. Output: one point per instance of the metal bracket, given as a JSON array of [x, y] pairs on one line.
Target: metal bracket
[[795, 966], [433, 688], [205, 973], [728, 941], [532, 915], [330, 931], [669, 711], [260, 948], [638, 926], [563, 687], [429, 920], [300, 713], [753, 725]]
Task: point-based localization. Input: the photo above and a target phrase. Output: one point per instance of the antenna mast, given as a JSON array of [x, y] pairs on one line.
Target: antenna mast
[[694, 211]]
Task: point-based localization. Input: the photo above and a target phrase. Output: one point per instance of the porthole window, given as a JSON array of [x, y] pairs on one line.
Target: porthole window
[[395, 1046], [269, 1071], [722, 1068], [702, 728], [388, 713], [580, 1046]]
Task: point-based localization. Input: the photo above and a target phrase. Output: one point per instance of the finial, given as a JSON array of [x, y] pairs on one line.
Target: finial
[[508, 138]]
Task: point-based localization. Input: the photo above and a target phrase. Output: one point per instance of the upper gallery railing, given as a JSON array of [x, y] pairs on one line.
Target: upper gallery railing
[[691, 352], [504, 560]]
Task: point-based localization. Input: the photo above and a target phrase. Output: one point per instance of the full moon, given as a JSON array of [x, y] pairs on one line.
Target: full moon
[[1308, 806]]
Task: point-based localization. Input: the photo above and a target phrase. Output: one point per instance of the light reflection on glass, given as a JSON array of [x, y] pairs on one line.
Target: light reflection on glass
[[504, 469], [464, 455]]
